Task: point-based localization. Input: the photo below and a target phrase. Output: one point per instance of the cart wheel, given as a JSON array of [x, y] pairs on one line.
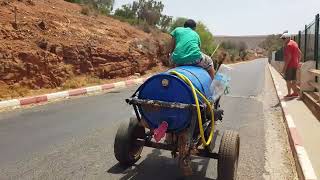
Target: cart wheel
[[228, 156], [125, 149]]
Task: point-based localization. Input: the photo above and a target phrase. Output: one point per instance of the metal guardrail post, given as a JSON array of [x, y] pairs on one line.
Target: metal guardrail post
[[316, 43], [305, 42], [299, 39]]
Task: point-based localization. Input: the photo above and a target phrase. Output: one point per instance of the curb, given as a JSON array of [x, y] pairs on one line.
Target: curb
[[17, 103], [304, 166]]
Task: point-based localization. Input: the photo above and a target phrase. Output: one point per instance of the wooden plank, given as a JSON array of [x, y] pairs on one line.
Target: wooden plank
[[312, 104], [315, 85], [315, 71]]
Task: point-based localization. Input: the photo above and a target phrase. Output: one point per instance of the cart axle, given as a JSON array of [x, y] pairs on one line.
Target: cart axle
[[170, 147]]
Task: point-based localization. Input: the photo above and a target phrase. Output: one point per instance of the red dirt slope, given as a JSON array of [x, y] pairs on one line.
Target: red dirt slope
[[52, 42]]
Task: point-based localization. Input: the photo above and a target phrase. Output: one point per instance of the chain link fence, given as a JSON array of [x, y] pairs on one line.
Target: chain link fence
[[302, 44], [310, 42], [317, 42]]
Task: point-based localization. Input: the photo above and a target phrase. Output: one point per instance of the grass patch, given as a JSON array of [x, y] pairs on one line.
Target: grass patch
[[13, 91], [80, 81]]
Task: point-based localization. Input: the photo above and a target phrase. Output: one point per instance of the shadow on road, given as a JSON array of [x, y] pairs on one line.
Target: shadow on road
[[155, 167]]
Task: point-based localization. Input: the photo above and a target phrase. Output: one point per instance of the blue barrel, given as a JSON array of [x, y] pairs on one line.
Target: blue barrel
[[170, 88]]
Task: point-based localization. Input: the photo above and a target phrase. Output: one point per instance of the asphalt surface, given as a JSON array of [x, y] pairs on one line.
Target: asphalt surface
[[74, 139]]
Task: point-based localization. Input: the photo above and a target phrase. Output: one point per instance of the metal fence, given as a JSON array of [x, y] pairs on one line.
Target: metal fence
[[317, 42], [308, 41], [279, 55], [302, 44]]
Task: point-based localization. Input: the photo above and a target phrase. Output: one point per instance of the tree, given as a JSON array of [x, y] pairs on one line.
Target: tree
[[145, 11], [104, 6], [150, 11], [165, 22], [207, 44], [179, 22], [126, 11]]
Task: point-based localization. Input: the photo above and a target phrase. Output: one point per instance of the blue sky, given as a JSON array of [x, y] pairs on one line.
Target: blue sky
[[244, 17]]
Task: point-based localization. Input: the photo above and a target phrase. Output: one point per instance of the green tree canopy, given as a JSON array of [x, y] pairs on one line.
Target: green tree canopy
[[165, 22], [146, 11], [127, 11], [207, 44]]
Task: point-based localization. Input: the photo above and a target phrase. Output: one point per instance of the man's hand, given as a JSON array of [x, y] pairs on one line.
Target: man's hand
[[283, 71]]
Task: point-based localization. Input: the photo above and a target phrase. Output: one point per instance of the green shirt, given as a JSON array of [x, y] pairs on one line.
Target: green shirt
[[188, 45]]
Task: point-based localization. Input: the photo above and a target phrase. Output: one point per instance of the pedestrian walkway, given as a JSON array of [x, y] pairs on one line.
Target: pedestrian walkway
[[304, 130]]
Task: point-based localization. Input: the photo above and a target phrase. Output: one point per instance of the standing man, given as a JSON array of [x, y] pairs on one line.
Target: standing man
[[292, 57]]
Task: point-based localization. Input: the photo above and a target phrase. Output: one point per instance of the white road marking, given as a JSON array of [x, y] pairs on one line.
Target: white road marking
[[290, 121], [119, 85], [57, 95], [284, 104], [94, 89], [305, 163], [9, 103]]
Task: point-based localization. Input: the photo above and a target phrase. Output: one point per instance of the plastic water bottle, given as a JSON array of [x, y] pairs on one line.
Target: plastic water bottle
[[160, 132], [220, 82]]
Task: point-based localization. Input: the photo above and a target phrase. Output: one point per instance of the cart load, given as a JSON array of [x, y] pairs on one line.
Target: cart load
[[168, 87]]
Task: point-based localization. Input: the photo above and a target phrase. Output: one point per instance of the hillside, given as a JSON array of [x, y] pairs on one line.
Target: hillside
[[251, 41], [52, 42]]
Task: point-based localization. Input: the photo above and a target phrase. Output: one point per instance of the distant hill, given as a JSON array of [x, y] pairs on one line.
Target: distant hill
[[251, 41]]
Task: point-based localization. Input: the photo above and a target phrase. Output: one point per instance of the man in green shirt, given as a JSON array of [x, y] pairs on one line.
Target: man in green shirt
[[185, 48]]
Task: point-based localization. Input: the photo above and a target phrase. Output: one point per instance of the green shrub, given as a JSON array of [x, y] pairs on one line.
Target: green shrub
[[207, 44], [128, 20], [102, 6], [179, 22]]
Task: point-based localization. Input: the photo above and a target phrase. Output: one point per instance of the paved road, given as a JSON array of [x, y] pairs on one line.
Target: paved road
[[74, 139]]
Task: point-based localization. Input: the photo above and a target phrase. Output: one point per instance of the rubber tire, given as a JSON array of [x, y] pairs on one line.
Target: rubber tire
[[126, 134], [228, 155]]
